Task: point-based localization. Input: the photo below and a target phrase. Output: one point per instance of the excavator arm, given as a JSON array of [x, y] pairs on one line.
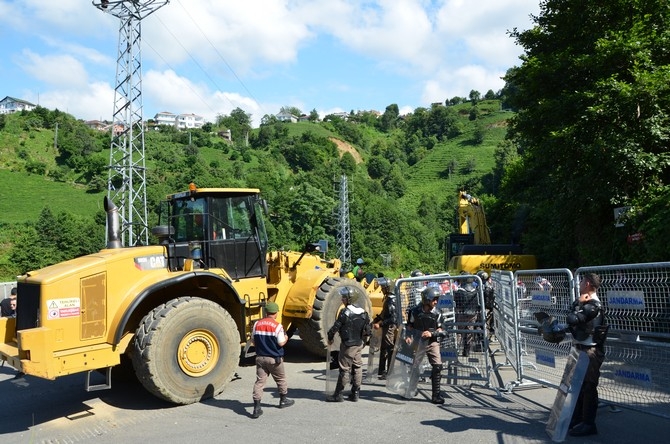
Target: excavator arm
[[472, 219]]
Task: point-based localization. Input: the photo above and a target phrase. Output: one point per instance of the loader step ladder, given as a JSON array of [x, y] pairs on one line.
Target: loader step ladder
[[106, 385]]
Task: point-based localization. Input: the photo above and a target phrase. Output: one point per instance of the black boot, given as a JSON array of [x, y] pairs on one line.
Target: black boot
[[382, 364], [258, 411], [436, 377], [354, 394], [285, 402], [337, 396]]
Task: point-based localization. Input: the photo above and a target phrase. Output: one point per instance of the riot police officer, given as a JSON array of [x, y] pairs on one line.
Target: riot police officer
[[387, 320], [428, 319], [353, 326], [467, 310], [586, 322]]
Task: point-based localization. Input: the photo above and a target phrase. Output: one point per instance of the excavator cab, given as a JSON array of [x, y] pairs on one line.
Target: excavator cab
[[215, 228]]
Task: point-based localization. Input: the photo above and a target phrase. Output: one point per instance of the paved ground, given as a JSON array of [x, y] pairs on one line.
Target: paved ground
[[39, 411]]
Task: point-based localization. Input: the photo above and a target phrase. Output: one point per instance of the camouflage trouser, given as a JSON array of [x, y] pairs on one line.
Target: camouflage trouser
[[265, 366], [433, 353], [351, 363], [386, 349]]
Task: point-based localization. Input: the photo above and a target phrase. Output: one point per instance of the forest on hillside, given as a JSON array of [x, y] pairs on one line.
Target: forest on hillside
[[297, 166], [588, 135]]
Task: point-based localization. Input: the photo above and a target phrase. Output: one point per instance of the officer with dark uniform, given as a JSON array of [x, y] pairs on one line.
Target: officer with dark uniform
[[586, 322], [466, 299], [353, 325], [387, 320], [427, 319]]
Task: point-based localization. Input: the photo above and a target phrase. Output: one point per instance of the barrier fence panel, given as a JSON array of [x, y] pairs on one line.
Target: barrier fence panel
[[463, 323], [505, 318], [549, 291], [636, 299]]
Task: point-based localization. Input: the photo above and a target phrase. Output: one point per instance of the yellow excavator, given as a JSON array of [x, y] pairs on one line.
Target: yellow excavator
[[471, 250]]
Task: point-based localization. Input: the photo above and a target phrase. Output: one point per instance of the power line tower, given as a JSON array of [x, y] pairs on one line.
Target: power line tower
[[126, 183], [343, 230]]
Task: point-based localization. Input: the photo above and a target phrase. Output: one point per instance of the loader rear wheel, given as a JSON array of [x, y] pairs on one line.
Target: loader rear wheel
[[327, 304], [186, 350]]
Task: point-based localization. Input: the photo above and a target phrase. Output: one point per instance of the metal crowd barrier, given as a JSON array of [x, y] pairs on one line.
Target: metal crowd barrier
[[636, 299], [549, 291]]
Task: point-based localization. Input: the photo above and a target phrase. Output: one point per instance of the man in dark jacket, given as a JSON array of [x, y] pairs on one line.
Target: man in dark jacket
[[427, 319], [353, 326], [387, 320], [8, 305], [587, 324]]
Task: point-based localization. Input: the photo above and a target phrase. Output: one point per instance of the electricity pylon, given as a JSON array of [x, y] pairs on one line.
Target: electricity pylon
[[343, 230], [126, 183]]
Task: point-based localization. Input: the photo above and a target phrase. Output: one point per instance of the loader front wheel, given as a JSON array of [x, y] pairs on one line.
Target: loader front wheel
[[327, 304], [186, 350]]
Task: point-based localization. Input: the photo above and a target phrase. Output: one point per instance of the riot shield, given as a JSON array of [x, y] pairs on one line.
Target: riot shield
[[567, 394], [373, 354], [332, 369], [406, 365]]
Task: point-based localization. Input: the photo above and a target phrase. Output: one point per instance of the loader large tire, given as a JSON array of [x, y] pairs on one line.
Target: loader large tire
[[186, 350], [327, 304]]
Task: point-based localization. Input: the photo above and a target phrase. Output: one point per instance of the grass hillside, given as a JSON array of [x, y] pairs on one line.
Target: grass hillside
[[24, 195], [35, 176]]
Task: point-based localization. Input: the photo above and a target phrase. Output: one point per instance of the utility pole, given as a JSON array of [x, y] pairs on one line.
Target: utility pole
[[126, 183], [343, 228]]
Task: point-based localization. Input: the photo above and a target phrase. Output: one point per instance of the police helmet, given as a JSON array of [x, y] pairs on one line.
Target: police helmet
[[429, 294], [349, 294], [483, 275], [467, 284], [384, 283], [549, 328], [416, 273]]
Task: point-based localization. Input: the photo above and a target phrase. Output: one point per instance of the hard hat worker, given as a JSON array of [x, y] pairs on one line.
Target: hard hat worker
[[358, 271], [269, 339], [353, 326], [427, 319]]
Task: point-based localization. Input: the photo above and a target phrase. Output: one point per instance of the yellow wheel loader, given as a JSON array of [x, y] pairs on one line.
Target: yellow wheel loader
[[179, 311]]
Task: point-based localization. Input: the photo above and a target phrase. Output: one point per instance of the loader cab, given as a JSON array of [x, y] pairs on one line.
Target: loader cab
[[210, 228]]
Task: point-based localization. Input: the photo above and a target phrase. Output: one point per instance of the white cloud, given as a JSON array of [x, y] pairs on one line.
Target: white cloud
[[57, 70], [229, 55], [92, 101], [447, 83]]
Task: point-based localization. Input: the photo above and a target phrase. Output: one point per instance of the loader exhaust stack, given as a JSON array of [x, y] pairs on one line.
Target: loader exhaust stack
[[112, 224]]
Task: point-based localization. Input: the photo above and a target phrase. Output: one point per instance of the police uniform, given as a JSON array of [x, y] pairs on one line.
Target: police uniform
[[467, 311], [388, 320], [353, 326], [586, 322], [422, 320]]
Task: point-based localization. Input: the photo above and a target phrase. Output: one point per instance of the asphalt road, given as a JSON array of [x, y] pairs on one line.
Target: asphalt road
[[39, 411]]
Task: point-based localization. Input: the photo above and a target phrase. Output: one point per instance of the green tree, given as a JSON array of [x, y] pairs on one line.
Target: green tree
[[388, 120], [592, 127], [55, 238]]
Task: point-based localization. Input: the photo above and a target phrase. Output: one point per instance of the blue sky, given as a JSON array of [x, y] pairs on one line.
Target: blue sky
[[209, 57]]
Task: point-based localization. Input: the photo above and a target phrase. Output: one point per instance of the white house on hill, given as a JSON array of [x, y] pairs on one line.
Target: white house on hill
[[181, 121], [11, 105]]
